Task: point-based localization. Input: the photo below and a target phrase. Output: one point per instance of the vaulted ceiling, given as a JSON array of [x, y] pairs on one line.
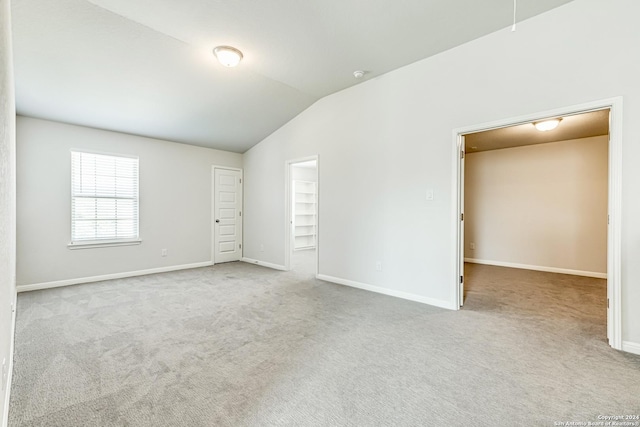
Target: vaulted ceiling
[[145, 67]]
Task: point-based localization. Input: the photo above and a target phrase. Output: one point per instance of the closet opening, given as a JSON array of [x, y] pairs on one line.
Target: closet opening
[[302, 252]]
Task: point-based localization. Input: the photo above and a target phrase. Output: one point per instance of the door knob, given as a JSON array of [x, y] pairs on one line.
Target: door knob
[[217, 220]]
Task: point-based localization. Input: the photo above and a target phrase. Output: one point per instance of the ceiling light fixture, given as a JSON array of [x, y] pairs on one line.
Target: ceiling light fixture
[[547, 124], [227, 55]]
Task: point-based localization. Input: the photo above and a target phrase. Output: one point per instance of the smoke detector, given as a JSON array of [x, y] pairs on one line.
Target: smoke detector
[[358, 74]]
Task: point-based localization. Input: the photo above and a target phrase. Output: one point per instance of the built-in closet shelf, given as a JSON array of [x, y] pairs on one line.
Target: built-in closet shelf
[[304, 214]]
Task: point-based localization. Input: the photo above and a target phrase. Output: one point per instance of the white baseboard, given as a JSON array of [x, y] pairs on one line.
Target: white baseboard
[[68, 282], [264, 264], [386, 291], [7, 393], [631, 347], [538, 268]]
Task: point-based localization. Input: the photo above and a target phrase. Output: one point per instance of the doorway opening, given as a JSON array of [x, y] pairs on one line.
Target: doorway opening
[[302, 208], [607, 215]]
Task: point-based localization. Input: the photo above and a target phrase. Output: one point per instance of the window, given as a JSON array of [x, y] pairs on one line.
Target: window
[[104, 200]]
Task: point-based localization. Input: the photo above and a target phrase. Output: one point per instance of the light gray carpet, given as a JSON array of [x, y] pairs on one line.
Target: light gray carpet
[[241, 345]]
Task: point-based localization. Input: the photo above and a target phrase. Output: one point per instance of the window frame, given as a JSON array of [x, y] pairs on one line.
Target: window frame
[[102, 243]]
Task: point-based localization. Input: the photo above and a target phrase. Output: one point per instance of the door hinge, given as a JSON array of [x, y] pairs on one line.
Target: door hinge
[[461, 279], [461, 217], [462, 154], [240, 245], [607, 303], [240, 180], [239, 213], [608, 219]]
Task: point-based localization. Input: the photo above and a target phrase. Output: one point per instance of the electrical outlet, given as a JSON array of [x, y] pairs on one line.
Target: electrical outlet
[[378, 265], [472, 246], [164, 252], [429, 194]]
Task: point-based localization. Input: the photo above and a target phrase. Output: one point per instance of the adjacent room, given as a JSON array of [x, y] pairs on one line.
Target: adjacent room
[[535, 225], [244, 213]]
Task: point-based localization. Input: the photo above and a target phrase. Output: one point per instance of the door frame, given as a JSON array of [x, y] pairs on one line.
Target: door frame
[[614, 232], [288, 242], [213, 210]]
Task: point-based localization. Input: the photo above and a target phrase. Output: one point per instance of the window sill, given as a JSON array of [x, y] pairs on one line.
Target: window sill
[[103, 244]]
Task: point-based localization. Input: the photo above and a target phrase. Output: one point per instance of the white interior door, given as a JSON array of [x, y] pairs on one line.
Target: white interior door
[[227, 207], [461, 202]]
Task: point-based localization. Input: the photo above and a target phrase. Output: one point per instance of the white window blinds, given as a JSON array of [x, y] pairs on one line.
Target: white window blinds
[[104, 198]]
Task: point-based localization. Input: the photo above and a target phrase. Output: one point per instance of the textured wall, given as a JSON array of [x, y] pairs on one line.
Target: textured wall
[[541, 205], [175, 202], [7, 193]]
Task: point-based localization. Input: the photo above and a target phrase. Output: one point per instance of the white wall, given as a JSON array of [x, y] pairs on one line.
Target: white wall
[[384, 142], [7, 199], [543, 206], [175, 202]]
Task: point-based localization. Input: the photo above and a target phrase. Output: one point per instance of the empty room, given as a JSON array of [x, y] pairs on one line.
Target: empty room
[[241, 213], [535, 221]]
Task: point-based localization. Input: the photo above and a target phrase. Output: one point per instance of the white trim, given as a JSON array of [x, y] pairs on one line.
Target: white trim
[[213, 210], [105, 244], [7, 393], [457, 289], [264, 264], [288, 243], [389, 292], [538, 268], [104, 153], [631, 347], [614, 234], [69, 282]]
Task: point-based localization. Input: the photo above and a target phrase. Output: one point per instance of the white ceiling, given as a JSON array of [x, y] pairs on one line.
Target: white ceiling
[[584, 125], [145, 66]]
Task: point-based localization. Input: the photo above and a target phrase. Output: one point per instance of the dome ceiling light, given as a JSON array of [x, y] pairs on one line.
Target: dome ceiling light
[[227, 55], [547, 125]]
